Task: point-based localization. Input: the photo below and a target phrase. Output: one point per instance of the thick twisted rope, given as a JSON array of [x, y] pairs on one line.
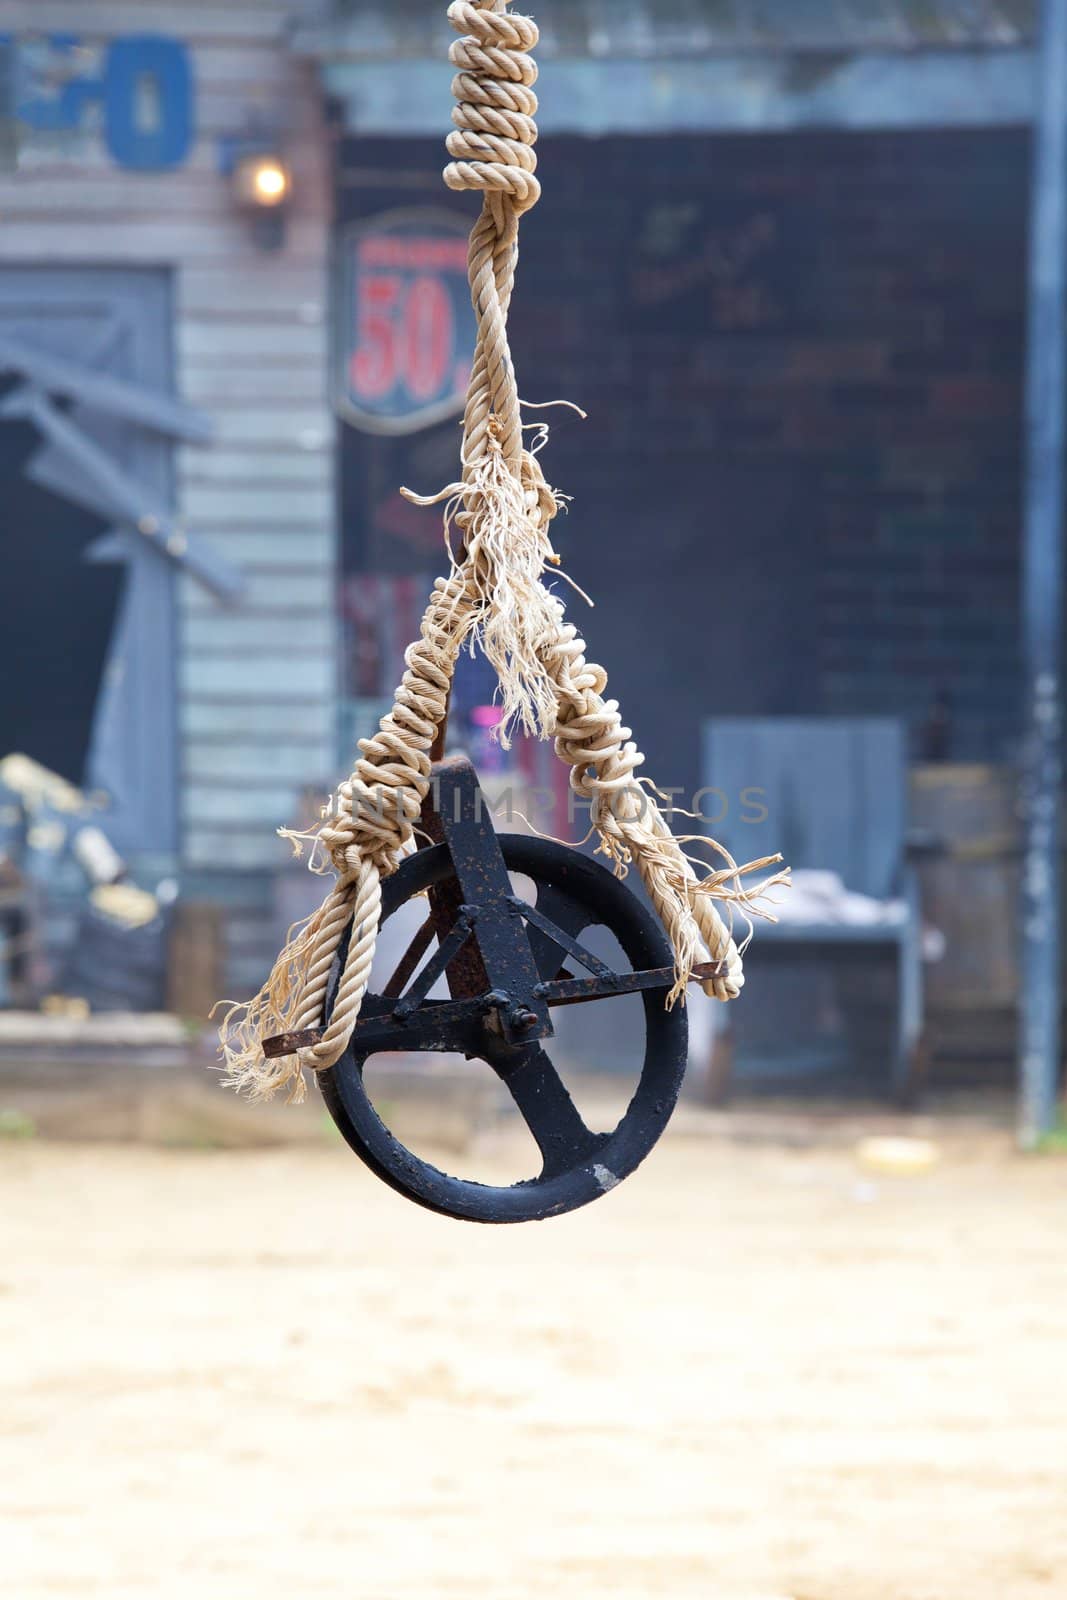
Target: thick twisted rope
[[603, 759], [493, 151], [496, 594]]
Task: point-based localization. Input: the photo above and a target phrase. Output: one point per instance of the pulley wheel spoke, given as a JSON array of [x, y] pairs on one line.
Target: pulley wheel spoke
[[579, 1165], [549, 1112], [569, 916]]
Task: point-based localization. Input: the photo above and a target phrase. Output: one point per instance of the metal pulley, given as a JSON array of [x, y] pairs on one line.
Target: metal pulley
[[510, 964]]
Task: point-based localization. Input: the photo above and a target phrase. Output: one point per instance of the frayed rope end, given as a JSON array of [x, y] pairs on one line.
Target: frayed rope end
[[505, 519], [246, 1024]]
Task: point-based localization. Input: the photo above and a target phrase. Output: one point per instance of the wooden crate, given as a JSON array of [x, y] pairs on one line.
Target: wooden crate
[[970, 886], [196, 959]]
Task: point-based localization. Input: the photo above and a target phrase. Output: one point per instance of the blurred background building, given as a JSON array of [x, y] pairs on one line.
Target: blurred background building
[[780, 260]]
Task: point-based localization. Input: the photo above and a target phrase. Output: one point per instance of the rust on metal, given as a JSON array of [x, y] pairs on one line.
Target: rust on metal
[[409, 964], [568, 991], [290, 1044], [467, 975]]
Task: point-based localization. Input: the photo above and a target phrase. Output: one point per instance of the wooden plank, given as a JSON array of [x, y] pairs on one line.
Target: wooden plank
[[259, 290], [307, 633], [114, 397], [199, 19], [261, 505], [250, 338], [101, 189], [96, 193], [272, 760], [266, 319], [258, 65], [254, 849], [94, 163], [233, 467], [285, 716], [58, 239], [271, 591], [195, 959], [274, 548], [270, 342], [257, 676], [230, 376], [123, 493], [735, 93], [248, 803], [276, 424], [282, 388], [303, 113]]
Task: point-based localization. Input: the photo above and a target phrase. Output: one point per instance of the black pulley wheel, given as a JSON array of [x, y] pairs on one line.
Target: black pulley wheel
[[573, 895]]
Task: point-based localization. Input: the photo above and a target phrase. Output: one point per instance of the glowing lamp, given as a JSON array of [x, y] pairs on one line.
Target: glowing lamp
[[261, 182]]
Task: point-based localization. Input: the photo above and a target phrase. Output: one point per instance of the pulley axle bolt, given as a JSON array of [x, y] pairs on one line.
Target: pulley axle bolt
[[523, 1021]]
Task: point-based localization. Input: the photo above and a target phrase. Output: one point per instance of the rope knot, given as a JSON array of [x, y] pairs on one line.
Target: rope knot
[[492, 146], [541, 501], [495, 596]]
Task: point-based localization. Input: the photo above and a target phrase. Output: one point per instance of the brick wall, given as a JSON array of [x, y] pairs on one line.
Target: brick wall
[[799, 485]]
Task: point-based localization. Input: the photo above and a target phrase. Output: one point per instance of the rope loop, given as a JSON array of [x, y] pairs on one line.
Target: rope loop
[[495, 595], [495, 131]]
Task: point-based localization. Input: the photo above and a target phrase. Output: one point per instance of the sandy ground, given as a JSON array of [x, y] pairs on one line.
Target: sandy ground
[[751, 1372]]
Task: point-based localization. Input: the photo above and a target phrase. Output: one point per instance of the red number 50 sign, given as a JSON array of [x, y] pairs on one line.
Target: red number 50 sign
[[407, 330]]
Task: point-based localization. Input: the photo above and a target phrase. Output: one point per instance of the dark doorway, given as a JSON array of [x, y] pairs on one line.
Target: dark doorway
[[57, 614], [87, 635]]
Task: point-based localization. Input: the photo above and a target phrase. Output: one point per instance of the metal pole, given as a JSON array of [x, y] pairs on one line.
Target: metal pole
[[1043, 588], [9, 133]]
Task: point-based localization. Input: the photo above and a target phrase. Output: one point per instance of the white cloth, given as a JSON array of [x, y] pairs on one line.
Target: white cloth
[[821, 898]]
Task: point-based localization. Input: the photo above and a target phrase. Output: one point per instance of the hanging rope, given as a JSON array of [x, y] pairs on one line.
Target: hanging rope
[[495, 596]]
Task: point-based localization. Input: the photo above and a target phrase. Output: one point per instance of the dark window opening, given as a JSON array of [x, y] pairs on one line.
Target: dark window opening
[[57, 614]]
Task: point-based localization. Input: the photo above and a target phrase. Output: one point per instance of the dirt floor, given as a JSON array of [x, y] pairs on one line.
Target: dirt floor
[[754, 1371]]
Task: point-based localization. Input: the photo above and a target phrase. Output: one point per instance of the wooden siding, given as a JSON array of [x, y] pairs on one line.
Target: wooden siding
[[257, 686], [635, 67], [382, 30]]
